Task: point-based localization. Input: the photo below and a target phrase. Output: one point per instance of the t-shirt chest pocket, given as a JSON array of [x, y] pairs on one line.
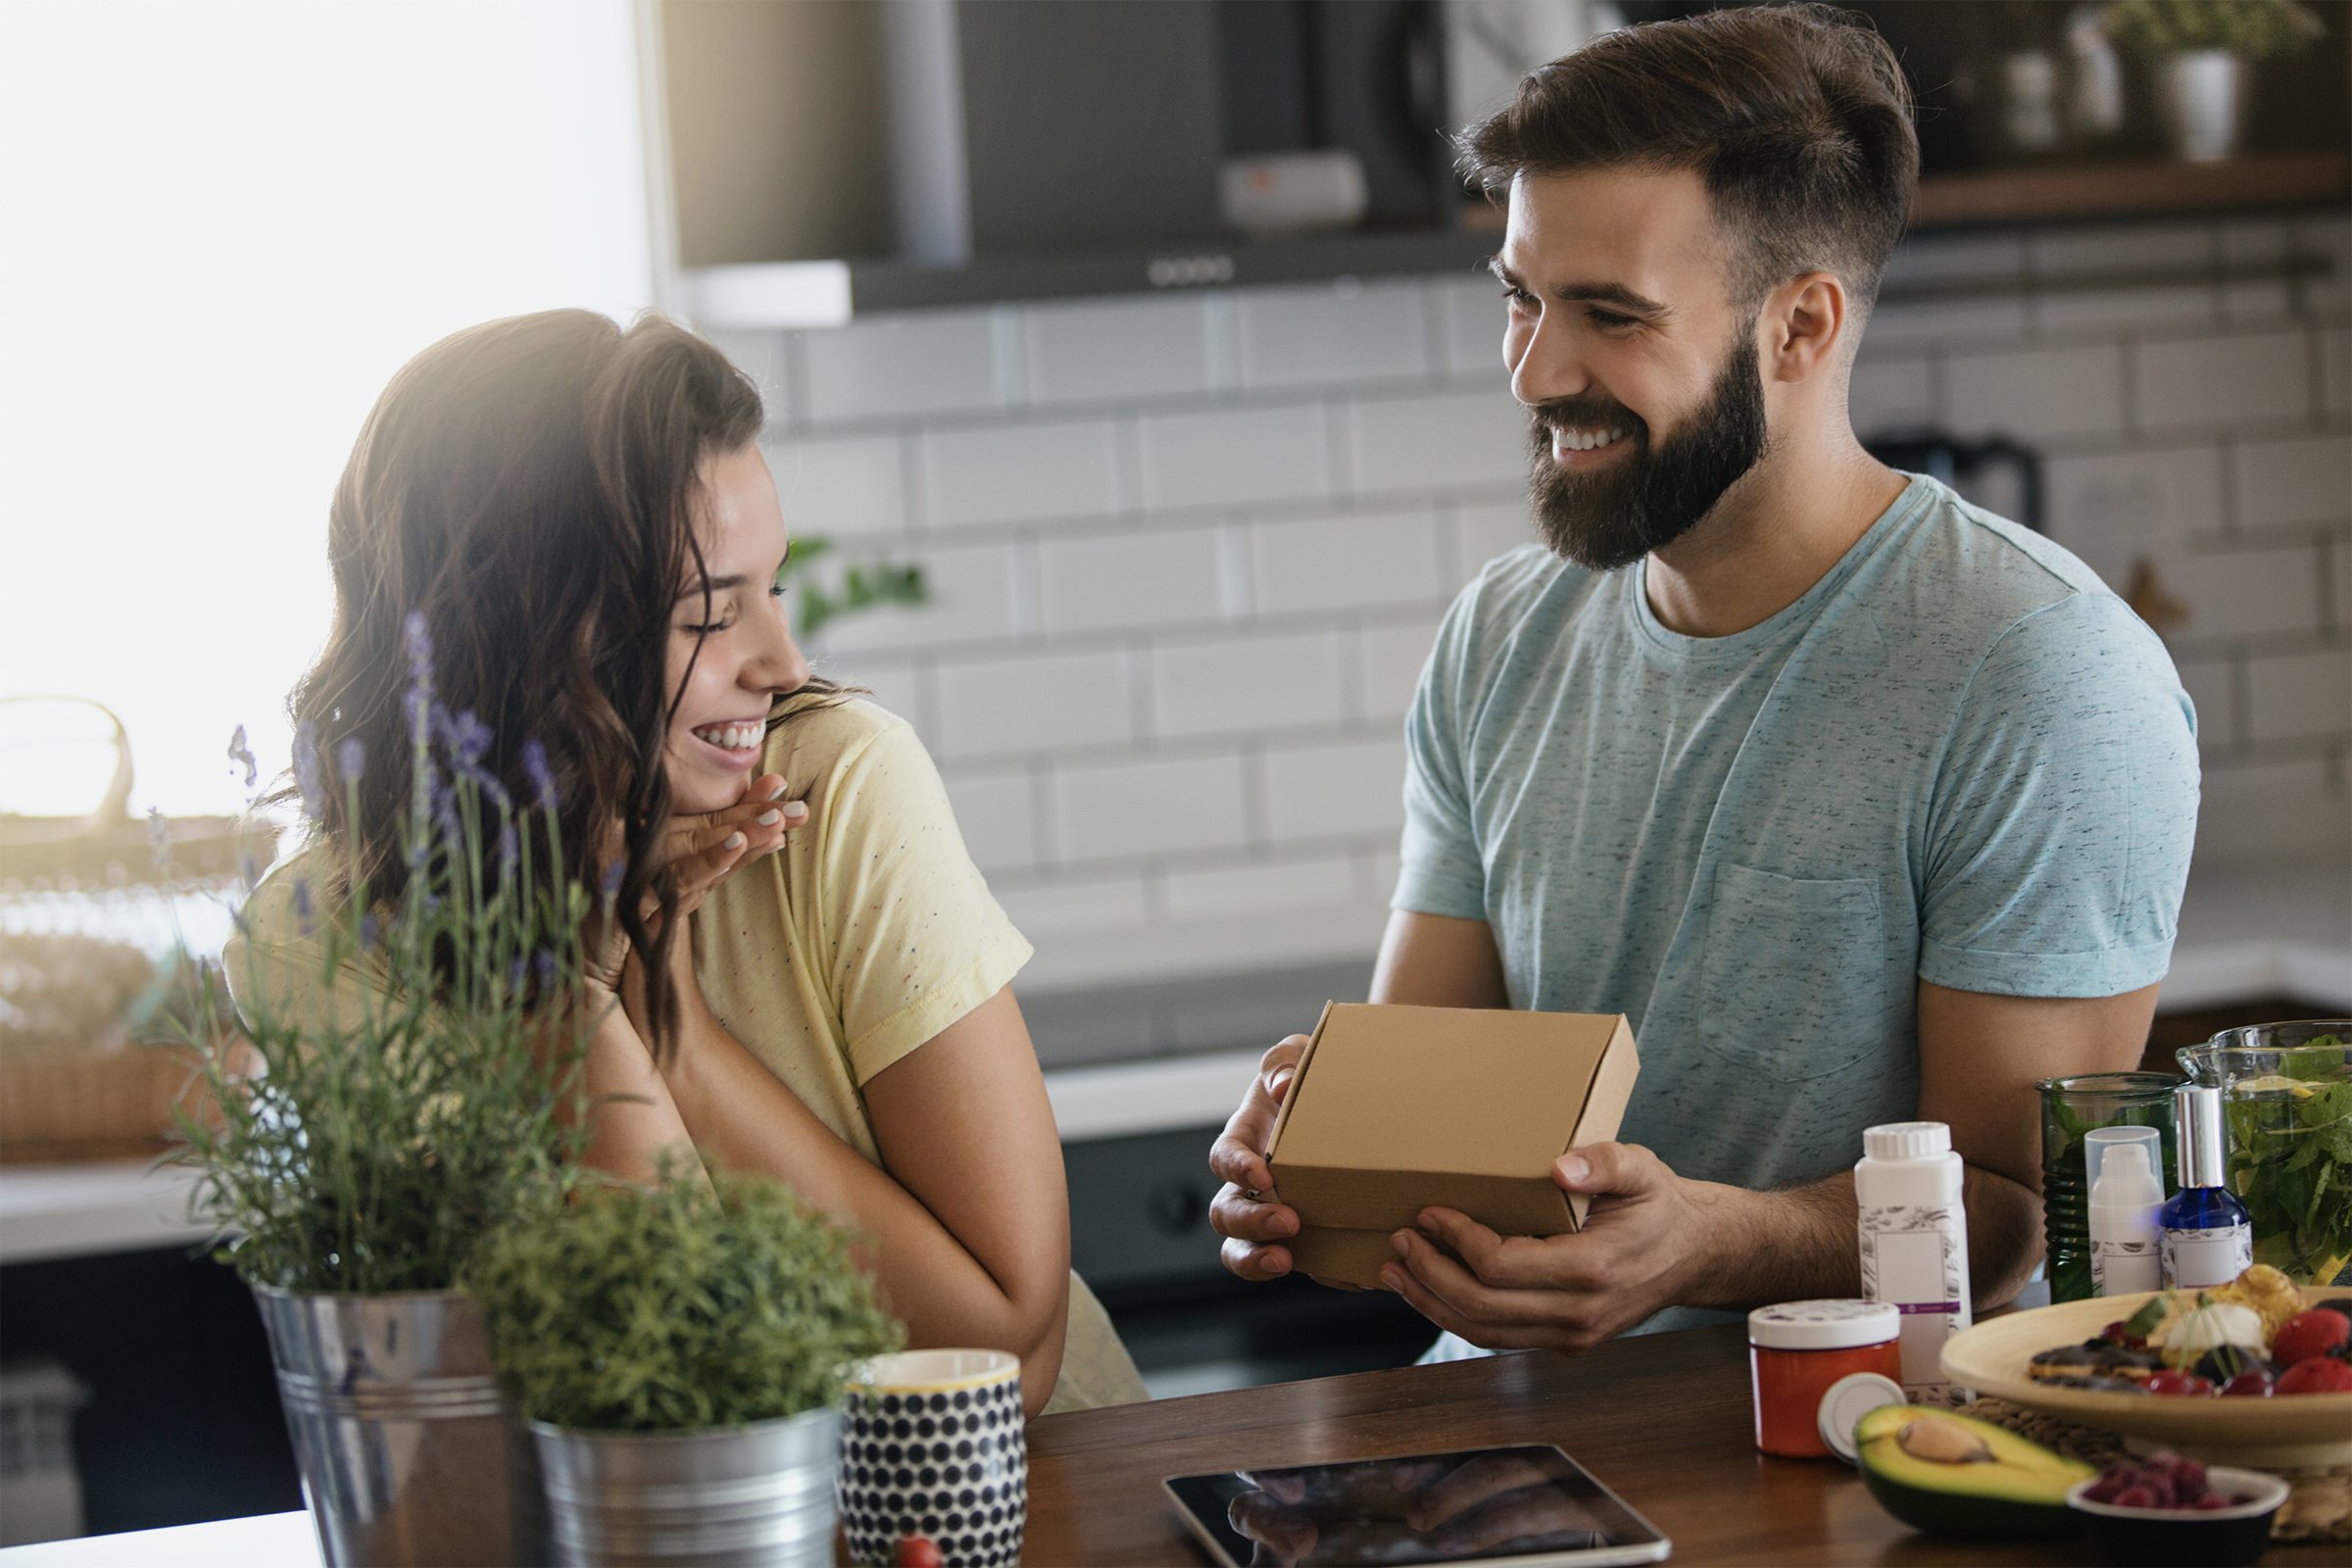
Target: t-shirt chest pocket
[[1792, 980]]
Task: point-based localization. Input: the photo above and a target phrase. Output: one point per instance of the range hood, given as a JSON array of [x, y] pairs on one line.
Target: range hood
[[829, 159]]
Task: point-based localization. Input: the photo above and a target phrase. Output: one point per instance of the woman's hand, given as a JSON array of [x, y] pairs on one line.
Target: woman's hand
[[705, 850]]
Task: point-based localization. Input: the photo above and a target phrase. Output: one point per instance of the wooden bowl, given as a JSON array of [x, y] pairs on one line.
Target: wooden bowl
[[2297, 1431]]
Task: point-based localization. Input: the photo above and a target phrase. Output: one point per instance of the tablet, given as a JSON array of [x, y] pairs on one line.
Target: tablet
[[1524, 1508]]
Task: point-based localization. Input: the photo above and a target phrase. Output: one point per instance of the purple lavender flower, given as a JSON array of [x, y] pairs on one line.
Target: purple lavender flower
[[542, 777], [305, 911], [510, 847], [614, 874], [516, 973], [249, 870], [543, 965], [419, 642], [351, 758], [159, 840], [242, 754], [369, 931], [307, 778]]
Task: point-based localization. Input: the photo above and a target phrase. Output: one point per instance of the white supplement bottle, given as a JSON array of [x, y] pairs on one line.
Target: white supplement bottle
[[1914, 1234], [2126, 1201]]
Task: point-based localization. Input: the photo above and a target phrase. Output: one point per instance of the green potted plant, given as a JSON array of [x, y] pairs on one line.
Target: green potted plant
[[2202, 51], [679, 1351], [401, 1093]]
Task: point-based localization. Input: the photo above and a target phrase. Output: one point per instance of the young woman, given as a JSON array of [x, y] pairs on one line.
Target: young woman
[[810, 976]]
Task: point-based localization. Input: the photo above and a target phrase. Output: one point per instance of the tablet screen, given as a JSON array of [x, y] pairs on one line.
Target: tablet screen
[[1479, 1505]]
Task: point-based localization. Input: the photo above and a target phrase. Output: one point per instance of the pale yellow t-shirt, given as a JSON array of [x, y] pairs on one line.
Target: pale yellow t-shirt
[[868, 933]]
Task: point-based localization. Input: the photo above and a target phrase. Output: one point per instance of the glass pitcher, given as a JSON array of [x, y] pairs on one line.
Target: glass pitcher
[[2287, 1103]]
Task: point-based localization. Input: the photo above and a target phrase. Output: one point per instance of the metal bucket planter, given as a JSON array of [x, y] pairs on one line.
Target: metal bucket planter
[[724, 1497], [409, 1451]]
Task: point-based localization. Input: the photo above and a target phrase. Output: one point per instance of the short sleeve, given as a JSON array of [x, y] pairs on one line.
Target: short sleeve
[[2065, 810], [1441, 871], [916, 939]]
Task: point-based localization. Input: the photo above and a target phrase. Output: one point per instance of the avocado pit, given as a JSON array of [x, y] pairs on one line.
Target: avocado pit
[[1941, 1441]]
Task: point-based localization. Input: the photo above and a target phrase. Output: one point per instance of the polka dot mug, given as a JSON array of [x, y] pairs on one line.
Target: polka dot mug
[[931, 1445]]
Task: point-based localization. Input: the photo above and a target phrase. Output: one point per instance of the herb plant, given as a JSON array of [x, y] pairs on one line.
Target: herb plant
[[2251, 29], [861, 588], [686, 1305], [419, 1086], [2290, 1162]]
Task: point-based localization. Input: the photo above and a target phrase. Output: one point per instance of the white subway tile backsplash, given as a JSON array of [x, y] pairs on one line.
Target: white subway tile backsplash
[[1452, 440], [1044, 911], [1151, 806], [2250, 811], [2080, 311], [2335, 368], [2299, 696], [998, 813], [1890, 391], [1234, 456], [1018, 473], [760, 355], [897, 682], [2256, 302], [2114, 509], [903, 367], [1972, 320], [2212, 687], [2075, 250], [972, 598], [2328, 236], [2214, 382], [1034, 703], [1393, 657], [1326, 333], [1482, 532], [2237, 592], [2252, 242], [1987, 259], [1232, 685], [2031, 394], [1472, 320], [1225, 892], [840, 486], [1352, 788], [2302, 479], [1109, 581], [1120, 350], [1349, 562]]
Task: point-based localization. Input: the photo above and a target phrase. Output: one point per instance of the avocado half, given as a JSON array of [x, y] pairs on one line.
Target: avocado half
[[1949, 1474]]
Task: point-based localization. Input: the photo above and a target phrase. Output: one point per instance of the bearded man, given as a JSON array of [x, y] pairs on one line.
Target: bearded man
[[1864, 805]]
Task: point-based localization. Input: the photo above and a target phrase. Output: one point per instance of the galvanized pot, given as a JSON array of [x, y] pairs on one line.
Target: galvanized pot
[[722, 1497], [409, 1451]]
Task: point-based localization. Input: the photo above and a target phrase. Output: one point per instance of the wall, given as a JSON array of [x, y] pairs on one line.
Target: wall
[[1189, 552]]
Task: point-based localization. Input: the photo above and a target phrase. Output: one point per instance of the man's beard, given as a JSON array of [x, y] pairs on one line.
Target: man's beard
[[1646, 499]]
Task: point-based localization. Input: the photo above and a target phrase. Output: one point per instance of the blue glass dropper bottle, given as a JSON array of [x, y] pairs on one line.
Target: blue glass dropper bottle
[[2206, 1237]]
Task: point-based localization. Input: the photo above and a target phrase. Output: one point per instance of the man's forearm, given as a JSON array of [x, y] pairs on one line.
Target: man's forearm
[[1800, 1242]]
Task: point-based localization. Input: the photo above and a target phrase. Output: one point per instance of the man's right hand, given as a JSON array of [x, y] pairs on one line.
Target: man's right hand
[[1247, 1214]]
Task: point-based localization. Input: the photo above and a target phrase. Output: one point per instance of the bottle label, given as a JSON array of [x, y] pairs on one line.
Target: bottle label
[[2119, 1268], [1917, 1257], [2193, 1259]]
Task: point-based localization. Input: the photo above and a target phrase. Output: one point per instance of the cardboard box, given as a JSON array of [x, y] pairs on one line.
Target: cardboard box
[[1397, 1109]]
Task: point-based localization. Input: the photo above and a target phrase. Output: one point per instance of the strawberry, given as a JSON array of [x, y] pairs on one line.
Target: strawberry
[[2322, 1374], [2318, 1332]]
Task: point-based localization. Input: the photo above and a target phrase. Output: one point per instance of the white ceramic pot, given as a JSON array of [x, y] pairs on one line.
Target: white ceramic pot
[[2201, 101]]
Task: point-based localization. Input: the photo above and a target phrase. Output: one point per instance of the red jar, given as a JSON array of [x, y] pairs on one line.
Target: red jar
[[1797, 1351]]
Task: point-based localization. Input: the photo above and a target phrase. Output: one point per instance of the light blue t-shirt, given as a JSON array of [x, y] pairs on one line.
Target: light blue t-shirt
[[1958, 757]]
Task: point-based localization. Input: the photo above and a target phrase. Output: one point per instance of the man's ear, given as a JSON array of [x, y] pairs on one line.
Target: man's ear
[[1804, 327]]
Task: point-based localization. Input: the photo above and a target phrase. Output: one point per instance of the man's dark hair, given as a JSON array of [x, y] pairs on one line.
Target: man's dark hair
[[1796, 116]]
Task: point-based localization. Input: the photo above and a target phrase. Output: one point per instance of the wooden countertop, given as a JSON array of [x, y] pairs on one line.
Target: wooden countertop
[[1662, 1420]]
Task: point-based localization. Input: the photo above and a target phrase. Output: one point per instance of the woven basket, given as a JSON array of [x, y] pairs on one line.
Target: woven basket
[[58, 1106]]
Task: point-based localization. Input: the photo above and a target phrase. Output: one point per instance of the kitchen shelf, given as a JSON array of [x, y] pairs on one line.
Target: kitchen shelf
[[2056, 192]]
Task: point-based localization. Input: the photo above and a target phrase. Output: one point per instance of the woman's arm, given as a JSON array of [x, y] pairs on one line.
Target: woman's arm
[[966, 1223]]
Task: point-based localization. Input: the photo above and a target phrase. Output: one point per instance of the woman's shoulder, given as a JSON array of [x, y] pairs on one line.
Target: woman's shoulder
[[280, 911], [820, 736]]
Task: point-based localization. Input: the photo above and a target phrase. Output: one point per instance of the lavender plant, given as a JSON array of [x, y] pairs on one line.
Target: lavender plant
[[419, 1085]]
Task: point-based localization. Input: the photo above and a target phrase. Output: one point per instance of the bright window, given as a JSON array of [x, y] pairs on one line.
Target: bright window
[[223, 226]]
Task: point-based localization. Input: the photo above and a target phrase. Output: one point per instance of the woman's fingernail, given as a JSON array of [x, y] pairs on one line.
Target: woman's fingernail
[[796, 810], [776, 791], [769, 817], [734, 841]]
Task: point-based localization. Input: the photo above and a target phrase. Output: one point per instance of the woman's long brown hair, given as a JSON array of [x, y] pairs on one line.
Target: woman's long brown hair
[[528, 487]]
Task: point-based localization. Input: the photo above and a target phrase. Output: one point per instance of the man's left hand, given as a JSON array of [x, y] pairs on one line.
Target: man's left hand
[[1646, 1242]]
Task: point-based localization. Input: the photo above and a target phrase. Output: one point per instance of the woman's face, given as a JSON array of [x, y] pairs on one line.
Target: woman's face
[[741, 653]]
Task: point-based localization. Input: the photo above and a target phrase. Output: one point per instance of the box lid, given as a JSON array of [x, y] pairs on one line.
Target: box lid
[[1400, 1109]]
